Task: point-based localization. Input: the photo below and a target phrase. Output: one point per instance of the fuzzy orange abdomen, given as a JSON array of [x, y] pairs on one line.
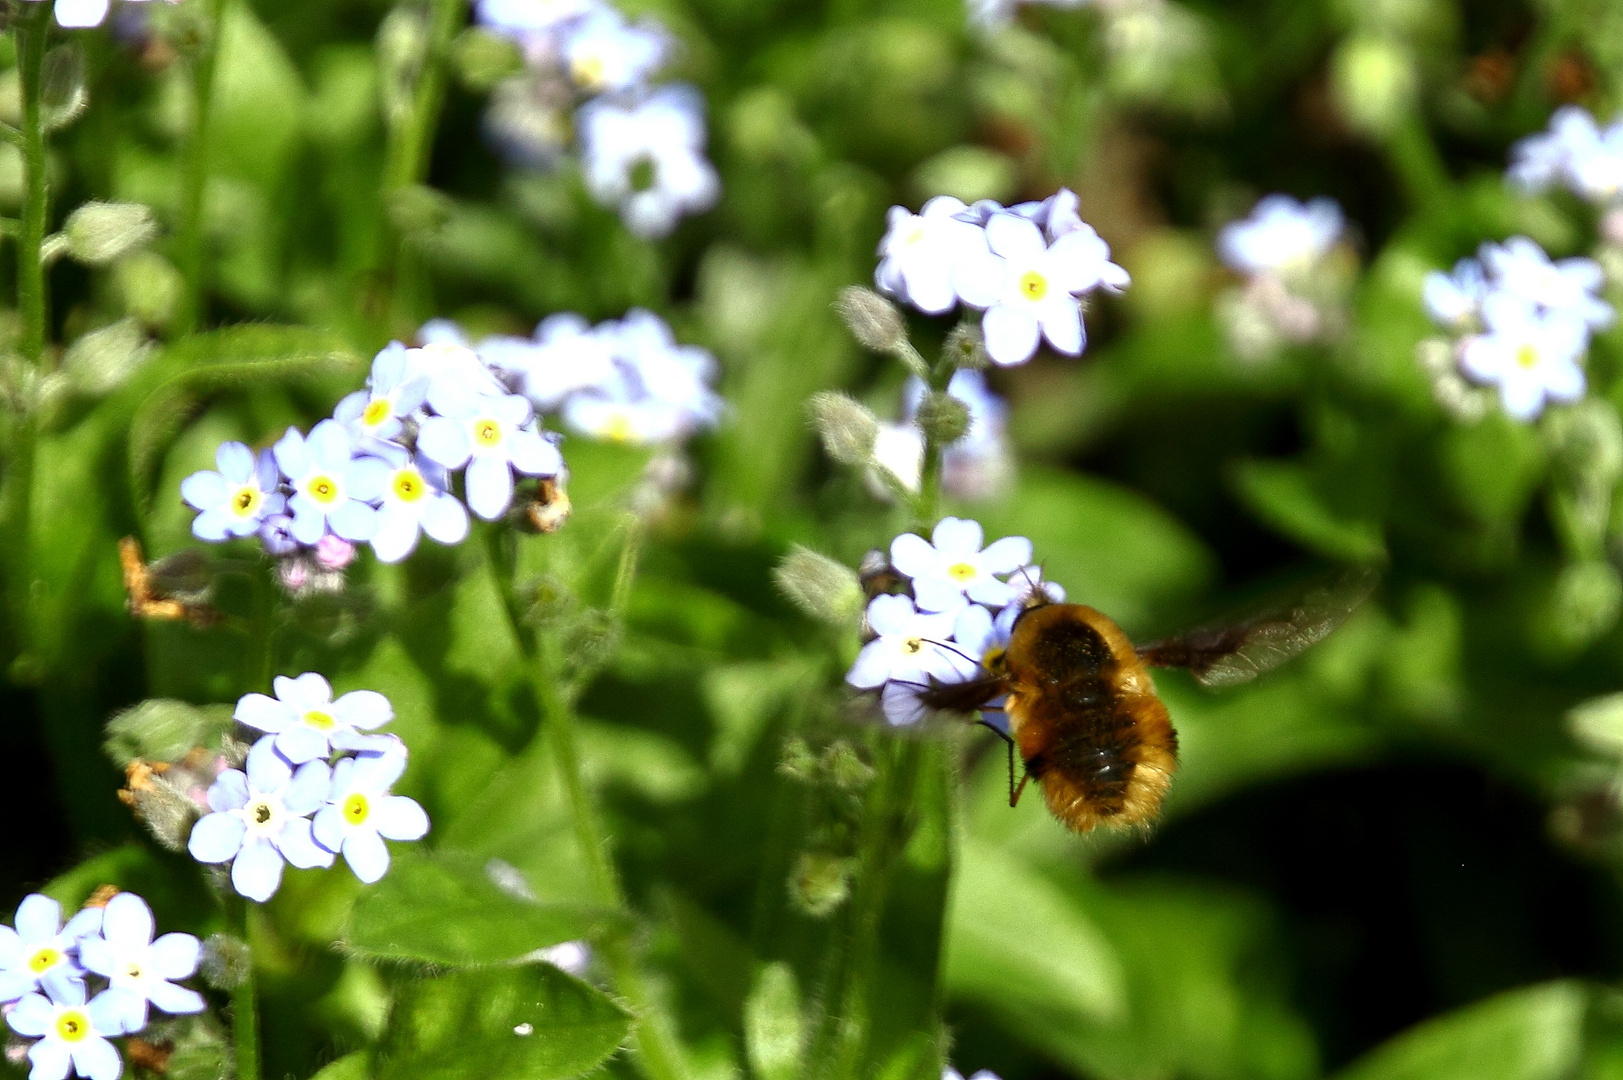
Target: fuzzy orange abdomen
[[1086, 718]]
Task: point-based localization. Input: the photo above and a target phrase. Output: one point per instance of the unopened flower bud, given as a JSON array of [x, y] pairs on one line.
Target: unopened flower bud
[[847, 428], [1586, 441], [483, 59], [797, 762], [845, 770], [334, 553], [966, 347], [1598, 724], [826, 590], [102, 360], [1582, 607], [943, 417], [163, 730], [149, 285], [874, 321], [99, 232], [820, 883], [1373, 80], [226, 961], [167, 812]]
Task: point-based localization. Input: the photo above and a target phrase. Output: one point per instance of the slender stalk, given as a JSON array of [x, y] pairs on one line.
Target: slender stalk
[[1420, 168], [33, 25], [244, 1001], [189, 243], [654, 1041]]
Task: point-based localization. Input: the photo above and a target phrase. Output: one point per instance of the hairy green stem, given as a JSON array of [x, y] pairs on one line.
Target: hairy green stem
[[33, 26], [189, 240], [244, 1003], [654, 1041]]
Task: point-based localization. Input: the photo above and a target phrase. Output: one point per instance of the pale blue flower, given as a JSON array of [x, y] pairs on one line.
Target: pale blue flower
[[1454, 300], [140, 968], [910, 646], [393, 391], [261, 819], [1531, 355], [360, 813], [450, 364], [661, 368], [72, 1035], [492, 436], [566, 355], [306, 723], [1520, 267], [646, 158], [332, 488], [1281, 235], [415, 501], [80, 14], [616, 416], [920, 253], [41, 952], [530, 21], [276, 535], [235, 500], [1543, 160], [951, 566], [606, 54]]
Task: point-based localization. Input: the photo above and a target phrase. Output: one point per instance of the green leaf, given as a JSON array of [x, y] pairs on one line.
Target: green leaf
[[1535, 1033], [774, 1033], [1286, 499], [160, 729], [356, 1066], [203, 365], [517, 1023], [445, 908]]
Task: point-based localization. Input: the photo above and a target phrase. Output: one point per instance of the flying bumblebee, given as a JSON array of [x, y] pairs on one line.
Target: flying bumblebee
[[1082, 708]]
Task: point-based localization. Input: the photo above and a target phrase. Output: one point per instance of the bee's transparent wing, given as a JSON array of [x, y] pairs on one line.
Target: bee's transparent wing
[[1236, 653]]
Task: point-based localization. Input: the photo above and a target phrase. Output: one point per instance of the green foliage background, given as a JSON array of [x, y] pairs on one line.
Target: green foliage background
[[1389, 860]]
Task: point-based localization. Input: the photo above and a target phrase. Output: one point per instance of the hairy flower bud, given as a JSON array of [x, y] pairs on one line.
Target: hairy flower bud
[[820, 883], [874, 321], [827, 590], [225, 962], [1373, 80], [99, 232], [1583, 606], [102, 360], [943, 417], [846, 427], [1598, 724], [965, 347]]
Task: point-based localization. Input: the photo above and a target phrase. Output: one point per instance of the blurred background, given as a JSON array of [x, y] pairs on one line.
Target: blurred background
[[1396, 857]]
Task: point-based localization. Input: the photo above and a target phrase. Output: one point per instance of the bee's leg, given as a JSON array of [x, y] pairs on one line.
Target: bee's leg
[[1014, 792]]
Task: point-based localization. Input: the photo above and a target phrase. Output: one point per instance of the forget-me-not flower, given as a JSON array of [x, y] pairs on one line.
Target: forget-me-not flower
[[360, 813], [261, 819], [332, 488], [1281, 235], [1454, 300], [304, 721], [1520, 267], [911, 647], [647, 158], [952, 566], [235, 500], [920, 253], [415, 500], [1531, 355], [490, 435], [72, 1035], [394, 390], [41, 951], [605, 54], [138, 969], [567, 355]]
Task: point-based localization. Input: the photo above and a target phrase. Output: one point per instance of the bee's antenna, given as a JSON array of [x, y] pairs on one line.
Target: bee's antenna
[[953, 648]]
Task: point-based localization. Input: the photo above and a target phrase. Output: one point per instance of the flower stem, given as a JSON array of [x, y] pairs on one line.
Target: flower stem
[[189, 242], [33, 26], [654, 1041], [244, 1003]]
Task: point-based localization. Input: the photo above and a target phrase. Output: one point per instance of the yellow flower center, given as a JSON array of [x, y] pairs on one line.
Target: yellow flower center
[[133, 970], [409, 485], [1527, 356], [912, 645], [320, 720], [619, 428], [588, 71], [376, 412], [324, 489], [911, 234], [993, 660], [487, 432], [356, 808], [260, 812], [1033, 286], [44, 960], [73, 1025], [245, 500], [961, 571]]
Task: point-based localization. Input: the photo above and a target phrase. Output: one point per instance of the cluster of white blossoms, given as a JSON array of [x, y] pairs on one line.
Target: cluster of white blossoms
[[965, 599], [976, 466], [381, 470], [1519, 322], [1025, 266], [1290, 293], [1575, 153], [624, 380], [72, 988], [314, 787], [642, 147]]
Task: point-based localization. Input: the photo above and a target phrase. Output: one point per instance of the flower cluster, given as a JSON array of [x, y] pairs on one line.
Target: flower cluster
[[1520, 322], [1292, 291], [292, 803], [1025, 266], [625, 380], [976, 466], [1574, 153], [641, 146], [965, 599], [380, 470], [47, 971]]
